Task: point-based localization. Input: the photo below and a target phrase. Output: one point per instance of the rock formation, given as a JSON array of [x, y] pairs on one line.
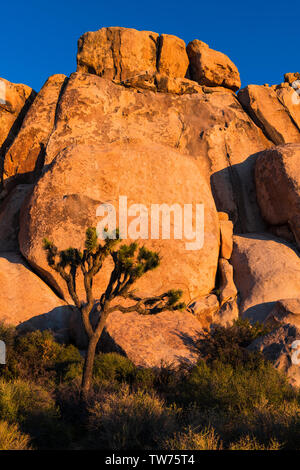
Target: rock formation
[[148, 118], [277, 187], [211, 68]]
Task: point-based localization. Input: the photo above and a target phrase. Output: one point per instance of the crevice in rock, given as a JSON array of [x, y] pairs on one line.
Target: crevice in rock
[[158, 43], [62, 89], [239, 226]]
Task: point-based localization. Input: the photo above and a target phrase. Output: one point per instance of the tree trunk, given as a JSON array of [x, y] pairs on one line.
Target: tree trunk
[[88, 366]]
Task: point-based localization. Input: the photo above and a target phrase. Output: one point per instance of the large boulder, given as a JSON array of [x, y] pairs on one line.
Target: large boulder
[[65, 199], [269, 112], [25, 157], [168, 338], [212, 68], [26, 301], [266, 269], [117, 53], [172, 57], [281, 347], [277, 179], [290, 99]]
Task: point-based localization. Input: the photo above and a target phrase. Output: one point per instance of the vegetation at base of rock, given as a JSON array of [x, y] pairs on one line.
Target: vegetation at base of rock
[[228, 345], [239, 404]]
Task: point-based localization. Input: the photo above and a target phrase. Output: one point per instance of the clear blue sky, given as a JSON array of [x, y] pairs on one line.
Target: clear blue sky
[[39, 38]]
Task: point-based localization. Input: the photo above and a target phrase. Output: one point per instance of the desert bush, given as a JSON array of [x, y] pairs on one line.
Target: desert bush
[[20, 399], [280, 422], [191, 439], [36, 352], [250, 443], [124, 420], [228, 344], [12, 439], [33, 408], [37, 356], [144, 378], [68, 363], [7, 334], [234, 388], [113, 367]]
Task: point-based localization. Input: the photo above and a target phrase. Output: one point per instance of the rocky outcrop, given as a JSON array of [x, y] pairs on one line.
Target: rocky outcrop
[[290, 99], [80, 178], [266, 269], [212, 68], [211, 127], [123, 55], [15, 100], [14, 104], [270, 112], [277, 181], [117, 53], [26, 301], [291, 77], [25, 158], [147, 118], [281, 347]]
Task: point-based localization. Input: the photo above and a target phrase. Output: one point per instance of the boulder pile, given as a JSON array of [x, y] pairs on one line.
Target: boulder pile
[[148, 118]]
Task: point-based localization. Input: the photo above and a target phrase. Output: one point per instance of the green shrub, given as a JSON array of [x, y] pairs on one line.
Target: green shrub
[[234, 388], [37, 356], [20, 399], [68, 364], [265, 421], [36, 353], [124, 420], [12, 439], [144, 378], [33, 408], [228, 344], [206, 439]]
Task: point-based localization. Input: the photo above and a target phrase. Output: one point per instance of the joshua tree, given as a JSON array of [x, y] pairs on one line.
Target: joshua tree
[[130, 263]]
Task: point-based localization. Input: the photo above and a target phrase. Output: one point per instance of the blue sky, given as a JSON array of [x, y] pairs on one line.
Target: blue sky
[[39, 39]]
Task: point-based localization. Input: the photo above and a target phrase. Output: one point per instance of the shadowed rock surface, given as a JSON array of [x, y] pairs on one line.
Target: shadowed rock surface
[[278, 348]]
